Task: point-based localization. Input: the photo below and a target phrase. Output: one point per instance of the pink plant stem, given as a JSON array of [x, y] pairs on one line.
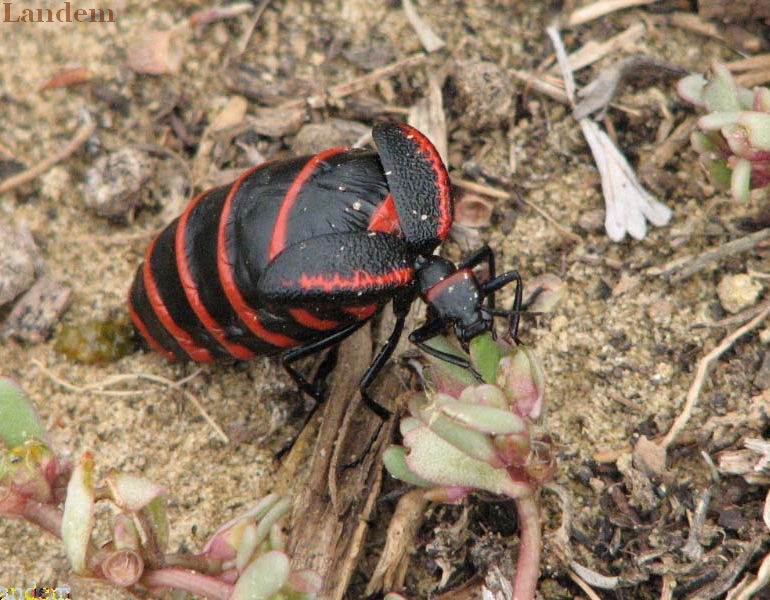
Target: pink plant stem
[[528, 566], [189, 581], [45, 516]]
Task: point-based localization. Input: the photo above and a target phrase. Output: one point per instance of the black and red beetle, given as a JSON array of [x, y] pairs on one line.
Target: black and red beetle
[[296, 255]]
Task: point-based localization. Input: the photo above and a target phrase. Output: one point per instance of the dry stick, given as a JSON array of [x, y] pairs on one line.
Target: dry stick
[[601, 8], [95, 388], [694, 23], [752, 79], [734, 320], [428, 38], [349, 87], [82, 135], [593, 51], [244, 42], [746, 590], [703, 369], [701, 261], [760, 61], [583, 585], [503, 195]]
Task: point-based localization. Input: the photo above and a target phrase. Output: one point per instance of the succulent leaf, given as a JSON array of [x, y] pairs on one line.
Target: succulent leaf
[[19, 420], [436, 460], [263, 578], [78, 516], [721, 93]]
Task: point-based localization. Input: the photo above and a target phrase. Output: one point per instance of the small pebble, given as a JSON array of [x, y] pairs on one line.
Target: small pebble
[[660, 311], [114, 183], [737, 292], [762, 379], [592, 220], [55, 183], [37, 311], [19, 259]]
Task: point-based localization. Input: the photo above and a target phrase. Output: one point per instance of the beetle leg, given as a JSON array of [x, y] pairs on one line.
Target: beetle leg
[[296, 354], [430, 330], [401, 304], [490, 287], [483, 254]]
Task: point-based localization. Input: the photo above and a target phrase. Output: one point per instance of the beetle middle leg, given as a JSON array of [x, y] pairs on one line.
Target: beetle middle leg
[[313, 389]]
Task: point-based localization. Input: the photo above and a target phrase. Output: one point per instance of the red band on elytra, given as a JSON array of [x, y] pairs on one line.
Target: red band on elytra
[[360, 280]]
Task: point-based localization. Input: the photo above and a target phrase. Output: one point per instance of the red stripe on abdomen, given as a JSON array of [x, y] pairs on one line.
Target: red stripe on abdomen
[[278, 241], [385, 217], [308, 319], [154, 344], [191, 289], [246, 313], [196, 352], [361, 312]]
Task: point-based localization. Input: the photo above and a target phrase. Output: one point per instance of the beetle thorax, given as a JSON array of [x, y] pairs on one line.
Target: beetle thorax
[[454, 295]]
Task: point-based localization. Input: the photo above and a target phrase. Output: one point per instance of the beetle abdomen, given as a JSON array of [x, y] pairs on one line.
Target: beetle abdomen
[[195, 296]]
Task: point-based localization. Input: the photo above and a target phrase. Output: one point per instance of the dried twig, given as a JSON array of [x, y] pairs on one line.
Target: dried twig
[[760, 61], [601, 8], [694, 23], [746, 588], [593, 51], [393, 564], [243, 43], [597, 95], [339, 91], [751, 79], [428, 38], [692, 549], [583, 585], [98, 389], [734, 320], [700, 262], [80, 138], [704, 366]]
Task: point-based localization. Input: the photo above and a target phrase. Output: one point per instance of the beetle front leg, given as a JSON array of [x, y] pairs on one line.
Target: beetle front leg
[[430, 330]]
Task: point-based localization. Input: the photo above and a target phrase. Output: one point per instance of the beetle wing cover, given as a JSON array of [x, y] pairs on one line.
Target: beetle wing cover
[[349, 268], [419, 182]]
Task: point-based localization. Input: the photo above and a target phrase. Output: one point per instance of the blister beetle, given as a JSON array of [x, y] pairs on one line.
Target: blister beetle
[[296, 255]]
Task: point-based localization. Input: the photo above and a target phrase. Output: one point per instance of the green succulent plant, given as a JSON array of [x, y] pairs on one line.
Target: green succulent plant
[[733, 137]]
